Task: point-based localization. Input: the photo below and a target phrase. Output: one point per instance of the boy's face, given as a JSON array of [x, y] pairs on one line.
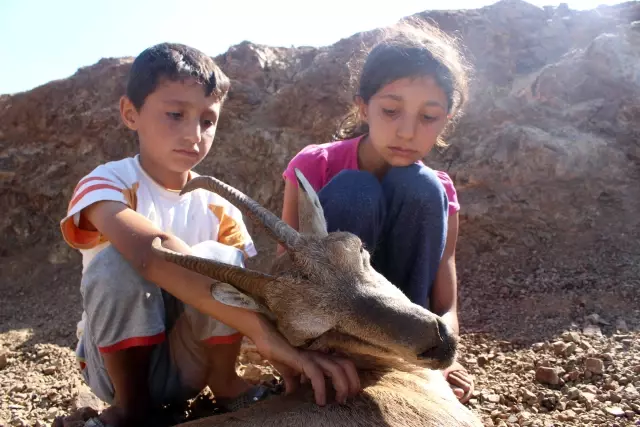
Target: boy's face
[[175, 125]]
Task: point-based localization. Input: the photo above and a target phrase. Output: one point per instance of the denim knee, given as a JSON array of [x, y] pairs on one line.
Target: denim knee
[[354, 201], [352, 193], [417, 186]]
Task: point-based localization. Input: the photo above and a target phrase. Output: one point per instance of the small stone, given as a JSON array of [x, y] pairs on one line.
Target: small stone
[[559, 347], [592, 331], [570, 349], [547, 375], [573, 337], [493, 398], [3, 359], [594, 365], [573, 393], [539, 346], [49, 370], [614, 397], [587, 396], [573, 375], [614, 410], [482, 360], [567, 415], [86, 398], [631, 392], [529, 397]]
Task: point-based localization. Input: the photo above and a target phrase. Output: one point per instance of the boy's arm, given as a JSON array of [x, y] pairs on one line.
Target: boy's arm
[[131, 234]]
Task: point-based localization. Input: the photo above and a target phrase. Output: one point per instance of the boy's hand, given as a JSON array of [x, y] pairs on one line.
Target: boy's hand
[[292, 363], [315, 367]]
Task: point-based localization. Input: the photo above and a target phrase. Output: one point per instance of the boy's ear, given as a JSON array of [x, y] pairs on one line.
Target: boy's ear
[[128, 113]]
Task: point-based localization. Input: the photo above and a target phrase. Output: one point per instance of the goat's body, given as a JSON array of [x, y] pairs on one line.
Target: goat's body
[[393, 399], [324, 295]]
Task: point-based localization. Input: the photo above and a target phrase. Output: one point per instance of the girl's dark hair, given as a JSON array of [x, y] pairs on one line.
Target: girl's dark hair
[[410, 49]]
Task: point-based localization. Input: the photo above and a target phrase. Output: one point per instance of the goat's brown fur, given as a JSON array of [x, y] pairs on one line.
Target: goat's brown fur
[[324, 295]]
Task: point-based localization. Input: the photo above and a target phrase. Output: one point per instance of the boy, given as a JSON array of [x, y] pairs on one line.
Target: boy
[[151, 333]]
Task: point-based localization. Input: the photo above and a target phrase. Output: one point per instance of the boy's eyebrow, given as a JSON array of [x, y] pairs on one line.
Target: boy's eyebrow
[[176, 101], [182, 103], [430, 103]]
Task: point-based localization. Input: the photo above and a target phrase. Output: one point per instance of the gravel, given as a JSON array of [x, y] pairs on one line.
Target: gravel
[[543, 353]]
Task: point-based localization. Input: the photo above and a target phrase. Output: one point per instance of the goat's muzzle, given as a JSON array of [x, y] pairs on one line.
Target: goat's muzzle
[[444, 352]]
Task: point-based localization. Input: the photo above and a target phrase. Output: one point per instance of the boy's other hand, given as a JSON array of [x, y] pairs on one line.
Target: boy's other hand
[[315, 366], [293, 363]]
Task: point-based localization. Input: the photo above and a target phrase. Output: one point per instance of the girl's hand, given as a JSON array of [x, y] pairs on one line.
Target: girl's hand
[[293, 363], [460, 380]]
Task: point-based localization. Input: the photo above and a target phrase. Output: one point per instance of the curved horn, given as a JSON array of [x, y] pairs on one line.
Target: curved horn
[[280, 230], [249, 281], [310, 212]]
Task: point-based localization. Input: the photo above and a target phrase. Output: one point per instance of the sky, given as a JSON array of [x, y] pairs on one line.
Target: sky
[[44, 40]]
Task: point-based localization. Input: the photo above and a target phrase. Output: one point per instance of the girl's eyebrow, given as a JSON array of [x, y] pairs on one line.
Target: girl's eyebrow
[[430, 103]]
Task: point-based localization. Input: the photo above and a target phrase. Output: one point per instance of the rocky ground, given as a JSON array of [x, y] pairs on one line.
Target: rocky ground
[[556, 343]]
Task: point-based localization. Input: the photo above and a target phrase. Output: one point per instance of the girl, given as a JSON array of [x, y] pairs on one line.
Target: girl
[[372, 183]]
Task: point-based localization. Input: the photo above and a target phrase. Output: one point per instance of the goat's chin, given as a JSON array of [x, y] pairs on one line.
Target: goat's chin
[[433, 363], [367, 356]]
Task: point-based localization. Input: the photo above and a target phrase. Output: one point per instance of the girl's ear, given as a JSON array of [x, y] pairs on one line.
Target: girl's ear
[[362, 109]]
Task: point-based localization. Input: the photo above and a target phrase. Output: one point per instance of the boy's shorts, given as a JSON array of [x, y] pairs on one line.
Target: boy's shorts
[[123, 310]]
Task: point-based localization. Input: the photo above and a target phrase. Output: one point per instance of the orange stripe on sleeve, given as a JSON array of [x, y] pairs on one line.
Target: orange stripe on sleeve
[[89, 179], [89, 189]]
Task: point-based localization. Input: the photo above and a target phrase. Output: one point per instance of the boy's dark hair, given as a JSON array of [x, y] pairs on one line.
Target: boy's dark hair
[[410, 49], [174, 61]]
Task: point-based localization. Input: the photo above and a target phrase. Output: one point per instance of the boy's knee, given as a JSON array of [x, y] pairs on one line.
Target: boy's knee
[[110, 275], [416, 185]]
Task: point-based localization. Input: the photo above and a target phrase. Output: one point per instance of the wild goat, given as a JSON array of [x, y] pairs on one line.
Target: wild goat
[[326, 296]]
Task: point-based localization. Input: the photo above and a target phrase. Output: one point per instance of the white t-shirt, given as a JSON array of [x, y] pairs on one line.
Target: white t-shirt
[[194, 217]]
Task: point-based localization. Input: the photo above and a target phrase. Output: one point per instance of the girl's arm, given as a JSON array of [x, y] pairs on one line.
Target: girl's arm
[[444, 293], [289, 208]]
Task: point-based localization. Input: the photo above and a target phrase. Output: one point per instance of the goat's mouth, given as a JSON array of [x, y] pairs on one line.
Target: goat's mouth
[[443, 354]]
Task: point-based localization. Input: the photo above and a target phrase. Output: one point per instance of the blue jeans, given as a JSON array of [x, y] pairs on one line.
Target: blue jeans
[[402, 221]]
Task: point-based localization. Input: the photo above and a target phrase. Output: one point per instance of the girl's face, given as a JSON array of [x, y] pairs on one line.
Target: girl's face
[[405, 118]]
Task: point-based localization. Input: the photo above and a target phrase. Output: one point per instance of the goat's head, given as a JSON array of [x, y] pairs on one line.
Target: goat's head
[[323, 293]]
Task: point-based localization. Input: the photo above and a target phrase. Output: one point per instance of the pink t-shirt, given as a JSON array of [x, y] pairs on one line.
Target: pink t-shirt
[[321, 162]]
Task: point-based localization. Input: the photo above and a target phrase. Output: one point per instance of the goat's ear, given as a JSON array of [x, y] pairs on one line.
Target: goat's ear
[[310, 214], [229, 295]]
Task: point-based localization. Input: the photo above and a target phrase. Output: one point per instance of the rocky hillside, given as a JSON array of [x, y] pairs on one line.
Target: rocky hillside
[[546, 161], [549, 140]]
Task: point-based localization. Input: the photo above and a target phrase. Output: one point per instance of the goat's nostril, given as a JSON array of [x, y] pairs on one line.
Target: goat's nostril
[[445, 349]]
